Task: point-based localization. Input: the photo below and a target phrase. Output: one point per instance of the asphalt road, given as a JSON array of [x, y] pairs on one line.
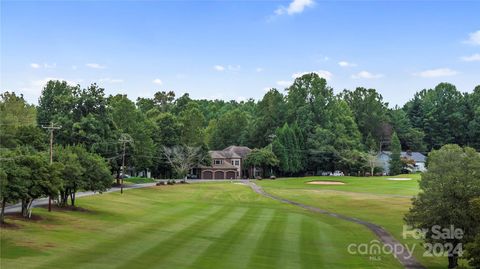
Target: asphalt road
[[44, 201]]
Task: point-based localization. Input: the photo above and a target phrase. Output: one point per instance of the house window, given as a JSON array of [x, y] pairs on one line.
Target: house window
[[217, 162], [236, 162]]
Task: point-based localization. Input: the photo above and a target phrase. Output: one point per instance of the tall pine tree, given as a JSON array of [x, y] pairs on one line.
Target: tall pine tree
[[395, 160]]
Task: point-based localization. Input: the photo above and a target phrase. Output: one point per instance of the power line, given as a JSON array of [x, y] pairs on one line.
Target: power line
[[51, 128]]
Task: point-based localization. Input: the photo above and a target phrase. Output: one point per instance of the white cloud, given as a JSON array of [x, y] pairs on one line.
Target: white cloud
[[474, 38], [95, 66], [219, 67], [346, 64], [45, 65], [296, 6], [111, 80], [158, 81], [321, 73], [284, 83], [366, 75], [258, 69], [473, 58], [434, 73]]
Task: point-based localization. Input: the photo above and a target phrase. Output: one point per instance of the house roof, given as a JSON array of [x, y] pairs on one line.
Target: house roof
[[416, 156], [238, 150], [222, 154]]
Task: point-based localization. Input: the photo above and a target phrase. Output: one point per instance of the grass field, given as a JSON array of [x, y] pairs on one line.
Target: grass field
[[376, 199], [137, 180], [215, 225]]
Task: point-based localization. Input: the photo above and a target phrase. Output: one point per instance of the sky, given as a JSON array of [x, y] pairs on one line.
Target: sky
[[238, 49]]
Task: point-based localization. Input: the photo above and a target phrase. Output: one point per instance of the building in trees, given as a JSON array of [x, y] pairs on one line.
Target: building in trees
[[416, 157], [226, 164]]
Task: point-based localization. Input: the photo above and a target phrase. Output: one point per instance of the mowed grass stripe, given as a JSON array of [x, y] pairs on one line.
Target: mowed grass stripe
[[219, 252], [194, 241], [242, 250], [123, 235], [205, 244], [138, 241], [158, 252], [290, 256], [269, 247], [310, 250]]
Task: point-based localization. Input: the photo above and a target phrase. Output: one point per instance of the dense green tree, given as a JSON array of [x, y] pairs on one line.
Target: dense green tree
[[262, 158], [473, 118], [181, 103], [28, 176], [414, 109], [129, 120], [164, 100], [441, 113], [192, 125], [96, 175], [72, 173], [448, 188], [269, 115], [4, 195], [410, 138], [17, 122], [370, 112], [371, 144], [395, 163], [288, 151], [166, 134], [145, 104], [57, 101], [307, 101], [229, 129], [81, 113], [473, 248], [337, 145]]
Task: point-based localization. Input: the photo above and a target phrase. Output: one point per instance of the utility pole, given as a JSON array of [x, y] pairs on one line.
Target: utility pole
[[51, 128], [124, 139]]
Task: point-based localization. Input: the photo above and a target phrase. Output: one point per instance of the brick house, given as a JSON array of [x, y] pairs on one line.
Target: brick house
[[226, 164]]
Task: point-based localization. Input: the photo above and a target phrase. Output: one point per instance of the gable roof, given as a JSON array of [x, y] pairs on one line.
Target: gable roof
[[222, 154], [416, 156], [240, 151]]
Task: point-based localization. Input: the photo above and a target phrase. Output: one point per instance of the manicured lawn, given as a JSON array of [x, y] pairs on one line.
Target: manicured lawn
[[137, 180], [376, 199], [211, 225]]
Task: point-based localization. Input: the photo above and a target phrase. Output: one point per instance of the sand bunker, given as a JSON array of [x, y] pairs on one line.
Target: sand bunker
[[326, 183], [399, 178]]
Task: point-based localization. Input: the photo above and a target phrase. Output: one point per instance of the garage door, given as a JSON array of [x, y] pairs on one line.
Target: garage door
[[207, 175], [219, 175], [231, 175]]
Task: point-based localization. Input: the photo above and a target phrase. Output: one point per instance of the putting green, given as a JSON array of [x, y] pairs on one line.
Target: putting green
[[211, 225]]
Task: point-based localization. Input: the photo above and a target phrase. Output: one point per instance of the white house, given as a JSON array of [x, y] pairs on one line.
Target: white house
[[384, 160]]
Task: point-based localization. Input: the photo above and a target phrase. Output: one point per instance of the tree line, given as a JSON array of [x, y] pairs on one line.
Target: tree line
[[308, 127]]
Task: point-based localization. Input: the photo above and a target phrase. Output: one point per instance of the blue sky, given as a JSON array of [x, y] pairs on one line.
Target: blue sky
[[238, 49]]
